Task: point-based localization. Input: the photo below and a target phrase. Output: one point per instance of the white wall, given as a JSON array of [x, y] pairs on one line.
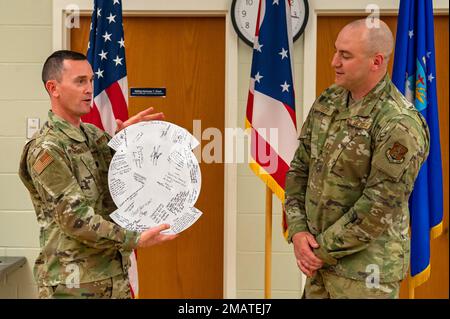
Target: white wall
[[26, 40]]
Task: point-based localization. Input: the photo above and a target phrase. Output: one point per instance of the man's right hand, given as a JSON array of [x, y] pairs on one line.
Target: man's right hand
[[307, 261], [153, 236]]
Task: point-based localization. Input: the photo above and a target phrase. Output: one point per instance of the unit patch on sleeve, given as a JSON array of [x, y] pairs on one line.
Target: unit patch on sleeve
[[396, 154]]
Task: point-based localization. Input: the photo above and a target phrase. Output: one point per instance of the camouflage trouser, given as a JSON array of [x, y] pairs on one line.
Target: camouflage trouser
[[112, 288], [326, 285]]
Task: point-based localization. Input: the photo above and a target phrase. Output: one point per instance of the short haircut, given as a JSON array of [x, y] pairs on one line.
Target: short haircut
[[379, 38], [53, 66]]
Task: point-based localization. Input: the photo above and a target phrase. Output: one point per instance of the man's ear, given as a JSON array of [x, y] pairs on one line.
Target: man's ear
[[52, 88], [378, 61]]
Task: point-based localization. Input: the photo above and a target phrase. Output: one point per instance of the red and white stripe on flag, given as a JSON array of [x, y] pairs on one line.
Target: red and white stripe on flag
[[271, 101], [109, 105], [106, 54]]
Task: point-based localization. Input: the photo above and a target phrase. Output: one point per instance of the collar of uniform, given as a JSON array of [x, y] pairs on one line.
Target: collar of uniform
[[364, 107], [330, 100], [67, 128]]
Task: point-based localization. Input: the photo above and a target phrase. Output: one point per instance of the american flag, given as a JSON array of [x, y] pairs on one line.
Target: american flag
[[106, 54], [271, 100]]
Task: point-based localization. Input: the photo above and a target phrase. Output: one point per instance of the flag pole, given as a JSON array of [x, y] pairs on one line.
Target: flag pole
[[411, 293], [268, 245], [410, 288]]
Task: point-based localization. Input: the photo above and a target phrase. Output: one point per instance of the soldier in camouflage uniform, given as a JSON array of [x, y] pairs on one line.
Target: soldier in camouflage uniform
[[347, 189], [84, 254]]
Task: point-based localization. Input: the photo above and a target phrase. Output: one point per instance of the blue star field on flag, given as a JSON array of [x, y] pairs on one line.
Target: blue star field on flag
[[106, 49], [414, 74]]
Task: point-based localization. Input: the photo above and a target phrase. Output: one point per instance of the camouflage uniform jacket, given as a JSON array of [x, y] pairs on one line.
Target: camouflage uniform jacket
[[351, 178], [65, 170]]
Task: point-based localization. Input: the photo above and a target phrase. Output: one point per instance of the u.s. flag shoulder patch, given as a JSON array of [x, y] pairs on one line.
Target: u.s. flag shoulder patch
[[44, 160]]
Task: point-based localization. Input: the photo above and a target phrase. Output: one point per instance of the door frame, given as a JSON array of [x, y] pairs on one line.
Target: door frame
[[183, 8], [342, 7]]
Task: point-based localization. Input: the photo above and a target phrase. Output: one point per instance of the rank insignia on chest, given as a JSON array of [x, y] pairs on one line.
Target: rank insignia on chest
[[78, 148], [102, 140], [360, 122], [396, 154]]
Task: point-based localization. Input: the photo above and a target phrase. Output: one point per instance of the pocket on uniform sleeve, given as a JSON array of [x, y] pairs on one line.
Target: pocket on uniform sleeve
[[394, 156]]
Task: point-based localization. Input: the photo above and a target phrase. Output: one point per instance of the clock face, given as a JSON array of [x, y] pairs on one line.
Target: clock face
[[244, 15]]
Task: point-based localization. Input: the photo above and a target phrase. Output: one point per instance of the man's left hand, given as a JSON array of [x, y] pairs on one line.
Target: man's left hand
[[146, 115]]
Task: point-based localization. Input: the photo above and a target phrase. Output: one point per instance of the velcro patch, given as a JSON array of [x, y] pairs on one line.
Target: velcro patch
[[396, 154], [42, 162], [360, 122], [102, 140]]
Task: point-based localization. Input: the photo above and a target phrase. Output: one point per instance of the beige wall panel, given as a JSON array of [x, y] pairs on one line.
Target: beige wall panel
[[244, 170], [19, 229], [285, 273], [12, 149], [14, 195], [28, 12], [250, 271], [244, 81], [242, 107], [25, 43], [21, 82], [251, 234], [13, 123], [250, 195]]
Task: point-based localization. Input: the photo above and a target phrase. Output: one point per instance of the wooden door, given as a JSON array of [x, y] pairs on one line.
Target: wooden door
[[187, 57], [328, 28]]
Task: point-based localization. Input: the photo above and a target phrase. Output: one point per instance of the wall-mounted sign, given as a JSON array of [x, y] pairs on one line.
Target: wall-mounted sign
[[146, 92]]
